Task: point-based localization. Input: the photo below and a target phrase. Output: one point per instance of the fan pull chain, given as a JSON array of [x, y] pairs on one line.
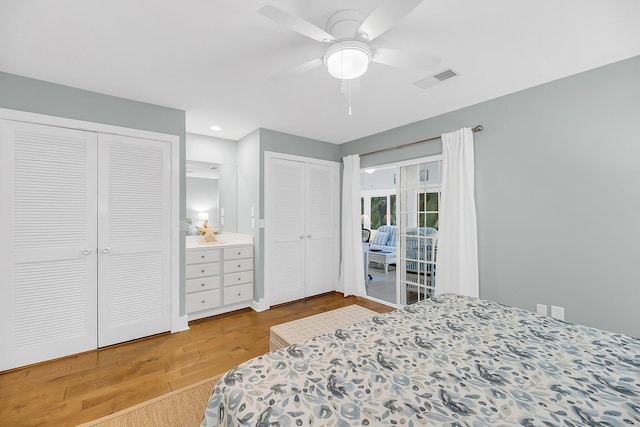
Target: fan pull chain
[[349, 83]]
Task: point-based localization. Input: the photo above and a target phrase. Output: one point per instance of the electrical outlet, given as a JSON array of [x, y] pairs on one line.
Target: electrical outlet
[[557, 312], [541, 309]]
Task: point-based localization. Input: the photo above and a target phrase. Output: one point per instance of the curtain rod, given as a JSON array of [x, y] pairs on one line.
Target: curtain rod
[[477, 128]]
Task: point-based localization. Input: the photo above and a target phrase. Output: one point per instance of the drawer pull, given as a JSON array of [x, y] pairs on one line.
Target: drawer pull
[[202, 284], [239, 293], [239, 278], [203, 301], [239, 253], [239, 265], [201, 271], [202, 256]]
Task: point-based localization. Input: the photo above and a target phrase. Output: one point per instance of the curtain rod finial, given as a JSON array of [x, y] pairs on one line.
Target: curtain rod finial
[[477, 128]]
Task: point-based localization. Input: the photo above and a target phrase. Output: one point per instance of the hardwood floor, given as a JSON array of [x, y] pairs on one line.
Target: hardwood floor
[[84, 387]]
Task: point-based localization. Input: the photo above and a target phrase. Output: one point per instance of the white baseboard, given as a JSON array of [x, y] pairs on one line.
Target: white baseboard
[[260, 305], [180, 324]]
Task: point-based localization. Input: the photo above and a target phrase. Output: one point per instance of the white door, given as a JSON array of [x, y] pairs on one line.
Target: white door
[[47, 249], [133, 238], [321, 228], [285, 222], [301, 215]]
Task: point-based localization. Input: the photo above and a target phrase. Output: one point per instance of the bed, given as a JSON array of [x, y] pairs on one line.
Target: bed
[[450, 360]]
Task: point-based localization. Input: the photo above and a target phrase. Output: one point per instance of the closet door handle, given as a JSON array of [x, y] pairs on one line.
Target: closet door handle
[[302, 236], [309, 236], [106, 250], [86, 252]]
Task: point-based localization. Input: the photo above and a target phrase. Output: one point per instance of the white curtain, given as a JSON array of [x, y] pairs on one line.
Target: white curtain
[[352, 264], [457, 259]]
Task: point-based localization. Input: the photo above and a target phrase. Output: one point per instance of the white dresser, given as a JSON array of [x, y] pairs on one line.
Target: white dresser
[[219, 277]]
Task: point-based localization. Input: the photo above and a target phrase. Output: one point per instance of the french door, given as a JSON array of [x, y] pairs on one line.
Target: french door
[[419, 201]]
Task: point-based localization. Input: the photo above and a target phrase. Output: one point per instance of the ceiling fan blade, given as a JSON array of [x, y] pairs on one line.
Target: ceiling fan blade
[[385, 16], [405, 59], [298, 69], [296, 24]]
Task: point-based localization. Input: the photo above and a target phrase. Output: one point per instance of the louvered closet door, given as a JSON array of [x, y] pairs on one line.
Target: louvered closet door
[[48, 242], [133, 238], [321, 225], [286, 223]]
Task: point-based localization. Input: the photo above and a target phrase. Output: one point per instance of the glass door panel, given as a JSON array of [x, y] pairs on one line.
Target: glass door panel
[[419, 190]]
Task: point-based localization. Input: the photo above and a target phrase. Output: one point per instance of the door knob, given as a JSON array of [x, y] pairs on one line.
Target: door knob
[[87, 252], [106, 250]]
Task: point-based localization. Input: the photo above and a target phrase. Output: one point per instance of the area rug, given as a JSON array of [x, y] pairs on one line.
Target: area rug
[[183, 407]]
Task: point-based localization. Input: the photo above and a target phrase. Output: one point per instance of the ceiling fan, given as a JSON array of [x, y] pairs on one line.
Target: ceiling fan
[[348, 35]]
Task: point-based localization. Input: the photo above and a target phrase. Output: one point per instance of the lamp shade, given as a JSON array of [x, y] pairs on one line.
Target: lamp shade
[[365, 221], [347, 60], [203, 216]]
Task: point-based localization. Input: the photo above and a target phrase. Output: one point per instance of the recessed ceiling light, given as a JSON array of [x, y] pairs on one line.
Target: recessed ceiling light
[[215, 128]]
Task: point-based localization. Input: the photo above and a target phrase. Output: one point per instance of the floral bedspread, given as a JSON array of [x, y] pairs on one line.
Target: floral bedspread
[[452, 360]]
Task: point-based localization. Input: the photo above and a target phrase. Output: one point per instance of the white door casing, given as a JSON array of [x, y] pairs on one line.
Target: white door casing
[[47, 253]]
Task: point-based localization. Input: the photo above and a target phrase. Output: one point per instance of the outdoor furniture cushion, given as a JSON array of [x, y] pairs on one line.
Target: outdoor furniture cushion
[[380, 239]]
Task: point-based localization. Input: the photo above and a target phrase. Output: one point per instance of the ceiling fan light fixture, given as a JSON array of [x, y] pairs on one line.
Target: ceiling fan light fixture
[[348, 59]]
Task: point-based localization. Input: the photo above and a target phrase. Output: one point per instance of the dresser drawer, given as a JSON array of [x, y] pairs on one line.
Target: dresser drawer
[[200, 256], [202, 284], [202, 270], [202, 300], [238, 265], [238, 278], [239, 293], [236, 253]]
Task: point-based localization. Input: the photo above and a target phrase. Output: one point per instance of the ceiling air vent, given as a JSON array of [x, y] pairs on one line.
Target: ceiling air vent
[[446, 74], [436, 78]]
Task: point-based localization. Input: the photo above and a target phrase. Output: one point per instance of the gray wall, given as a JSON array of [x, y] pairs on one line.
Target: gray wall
[[249, 177], [36, 96], [558, 202]]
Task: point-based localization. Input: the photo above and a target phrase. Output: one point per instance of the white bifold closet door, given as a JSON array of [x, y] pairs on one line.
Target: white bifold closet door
[[84, 254], [285, 217], [301, 214], [48, 262], [133, 238], [321, 215]]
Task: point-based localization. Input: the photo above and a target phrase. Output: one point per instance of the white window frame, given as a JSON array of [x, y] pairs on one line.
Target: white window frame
[[368, 194]]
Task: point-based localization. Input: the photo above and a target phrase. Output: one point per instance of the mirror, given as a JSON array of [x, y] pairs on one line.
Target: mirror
[[202, 197]]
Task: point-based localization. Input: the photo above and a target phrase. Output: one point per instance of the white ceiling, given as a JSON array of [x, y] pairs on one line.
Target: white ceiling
[[213, 58]]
